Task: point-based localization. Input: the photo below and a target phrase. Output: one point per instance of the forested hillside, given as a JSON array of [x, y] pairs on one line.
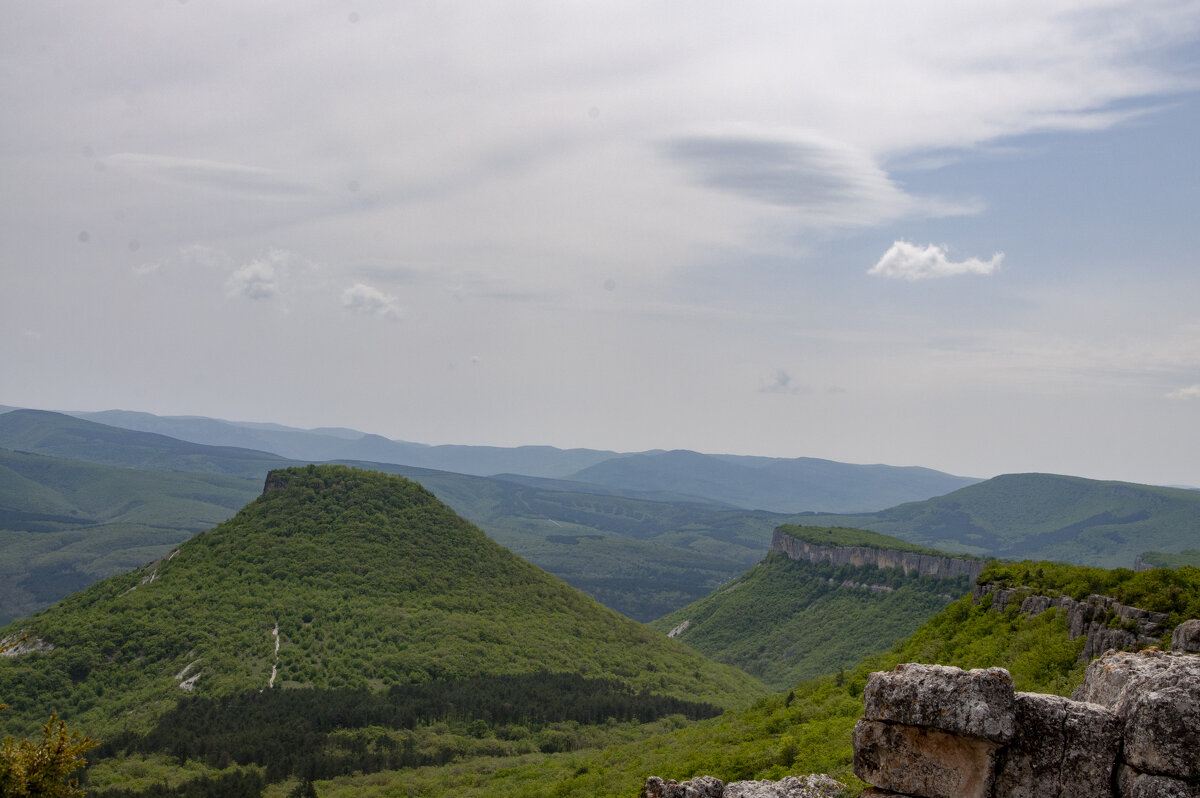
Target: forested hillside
[[786, 620], [807, 729], [391, 610]]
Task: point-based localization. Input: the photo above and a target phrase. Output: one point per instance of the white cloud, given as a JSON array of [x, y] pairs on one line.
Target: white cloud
[[782, 383], [369, 301], [259, 279], [1190, 392], [911, 262]]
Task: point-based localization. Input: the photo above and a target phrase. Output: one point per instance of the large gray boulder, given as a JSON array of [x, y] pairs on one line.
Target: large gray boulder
[[1133, 784], [1186, 638], [1157, 696], [923, 762], [1063, 748], [977, 703]]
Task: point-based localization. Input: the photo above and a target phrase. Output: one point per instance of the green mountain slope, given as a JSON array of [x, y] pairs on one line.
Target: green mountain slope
[[59, 435], [786, 620], [365, 580], [642, 558], [65, 524], [807, 729], [1045, 516], [775, 484]]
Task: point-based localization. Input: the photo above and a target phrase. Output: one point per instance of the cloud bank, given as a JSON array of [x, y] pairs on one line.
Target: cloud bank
[[910, 262]]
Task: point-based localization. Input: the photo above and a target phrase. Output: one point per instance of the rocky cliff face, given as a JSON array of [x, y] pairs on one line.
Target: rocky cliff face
[[1132, 731], [911, 563], [1107, 623]]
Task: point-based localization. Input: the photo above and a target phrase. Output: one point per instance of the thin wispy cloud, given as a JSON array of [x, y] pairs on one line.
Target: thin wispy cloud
[[209, 175], [1190, 392], [906, 261], [369, 301]]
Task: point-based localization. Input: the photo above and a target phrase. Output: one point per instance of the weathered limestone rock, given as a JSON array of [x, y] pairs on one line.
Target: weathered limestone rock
[[1157, 696], [977, 703], [1132, 784], [1186, 639], [910, 562], [815, 786], [875, 792], [1138, 628], [923, 762], [1062, 748], [699, 787]]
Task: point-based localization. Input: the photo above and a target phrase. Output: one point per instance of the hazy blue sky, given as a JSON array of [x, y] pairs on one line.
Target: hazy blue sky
[[959, 235]]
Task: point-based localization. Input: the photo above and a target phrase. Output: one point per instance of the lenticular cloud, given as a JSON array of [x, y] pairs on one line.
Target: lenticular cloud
[[911, 262]]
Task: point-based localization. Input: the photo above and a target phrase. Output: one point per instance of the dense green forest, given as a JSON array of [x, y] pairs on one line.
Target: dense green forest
[[784, 621], [807, 729], [417, 657]]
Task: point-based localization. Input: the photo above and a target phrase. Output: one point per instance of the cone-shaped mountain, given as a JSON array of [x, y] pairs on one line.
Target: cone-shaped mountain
[[334, 577]]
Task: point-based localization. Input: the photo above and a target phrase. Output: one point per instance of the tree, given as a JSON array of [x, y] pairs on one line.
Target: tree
[[42, 770]]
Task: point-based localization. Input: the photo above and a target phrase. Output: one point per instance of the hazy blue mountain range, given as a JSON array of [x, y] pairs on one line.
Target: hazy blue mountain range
[[779, 485], [318, 445], [64, 524], [1044, 516], [753, 483], [60, 435], [643, 558]]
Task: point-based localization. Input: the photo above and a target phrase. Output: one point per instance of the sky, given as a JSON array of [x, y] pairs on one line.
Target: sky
[[956, 235]]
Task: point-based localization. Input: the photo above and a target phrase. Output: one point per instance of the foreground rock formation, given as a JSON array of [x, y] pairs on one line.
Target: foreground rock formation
[[1106, 622], [1132, 730]]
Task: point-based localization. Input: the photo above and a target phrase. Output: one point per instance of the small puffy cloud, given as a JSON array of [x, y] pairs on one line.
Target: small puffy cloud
[[911, 262], [369, 301], [259, 279], [1190, 392], [782, 383]]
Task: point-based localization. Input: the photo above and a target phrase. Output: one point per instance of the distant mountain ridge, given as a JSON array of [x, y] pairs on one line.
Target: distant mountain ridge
[[1045, 517], [773, 484], [785, 485]]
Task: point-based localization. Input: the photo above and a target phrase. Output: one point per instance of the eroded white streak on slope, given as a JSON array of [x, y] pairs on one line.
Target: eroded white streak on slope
[[275, 665]]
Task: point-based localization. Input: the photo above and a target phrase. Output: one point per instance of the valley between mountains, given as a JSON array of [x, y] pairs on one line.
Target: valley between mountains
[[234, 622]]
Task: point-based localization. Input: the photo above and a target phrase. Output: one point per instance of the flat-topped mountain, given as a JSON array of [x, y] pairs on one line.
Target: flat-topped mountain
[[861, 548], [823, 598]]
